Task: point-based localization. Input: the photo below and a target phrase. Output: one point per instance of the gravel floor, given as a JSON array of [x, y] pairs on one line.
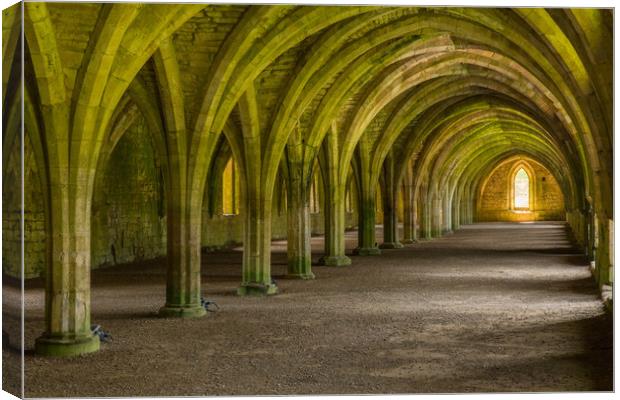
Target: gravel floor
[[492, 307]]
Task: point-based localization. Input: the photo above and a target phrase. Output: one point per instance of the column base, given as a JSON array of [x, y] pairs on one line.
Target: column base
[[65, 347], [307, 276], [192, 311], [391, 245], [408, 241], [257, 289], [299, 268], [335, 261], [367, 251]]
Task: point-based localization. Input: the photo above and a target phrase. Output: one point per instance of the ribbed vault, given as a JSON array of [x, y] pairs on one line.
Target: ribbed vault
[[421, 103]]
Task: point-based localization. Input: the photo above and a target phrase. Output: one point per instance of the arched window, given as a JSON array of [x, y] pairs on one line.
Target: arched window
[[522, 190], [230, 189]]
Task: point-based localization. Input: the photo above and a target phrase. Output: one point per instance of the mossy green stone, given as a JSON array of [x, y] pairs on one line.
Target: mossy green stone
[[66, 347], [257, 289], [193, 311], [335, 261], [367, 251]]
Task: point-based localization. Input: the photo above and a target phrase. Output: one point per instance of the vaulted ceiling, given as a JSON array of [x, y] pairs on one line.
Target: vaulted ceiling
[[447, 92]]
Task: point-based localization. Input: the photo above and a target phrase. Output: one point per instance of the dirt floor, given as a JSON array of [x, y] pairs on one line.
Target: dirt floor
[[492, 307]]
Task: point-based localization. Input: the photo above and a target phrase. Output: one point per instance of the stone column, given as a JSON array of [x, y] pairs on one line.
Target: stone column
[[298, 222], [256, 270], [67, 278], [414, 222], [580, 228], [425, 226], [462, 211], [468, 207], [610, 249], [257, 205], [589, 233], [456, 215], [447, 215], [390, 216], [366, 233], [409, 229], [602, 253], [334, 210], [183, 273], [436, 216], [184, 202]]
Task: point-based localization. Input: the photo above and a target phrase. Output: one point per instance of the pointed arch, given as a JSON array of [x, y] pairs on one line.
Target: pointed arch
[[516, 176], [521, 185]]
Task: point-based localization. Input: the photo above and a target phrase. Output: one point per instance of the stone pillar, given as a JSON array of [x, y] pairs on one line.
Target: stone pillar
[[367, 245], [183, 273], [462, 211], [584, 224], [425, 226], [447, 216], [67, 278], [469, 209], [409, 229], [610, 247], [415, 218], [390, 216], [436, 217], [184, 202], [602, 254], [590, 233], [574, 218], [257, 205], [390, 227], [298, 224], [334, 212], [456, 215], [256, 271]]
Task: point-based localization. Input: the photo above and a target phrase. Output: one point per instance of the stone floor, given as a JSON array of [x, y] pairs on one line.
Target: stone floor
[[492, 307]]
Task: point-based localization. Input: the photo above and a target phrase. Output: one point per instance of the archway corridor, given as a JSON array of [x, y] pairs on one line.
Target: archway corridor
[[160, 154], [492, 307]]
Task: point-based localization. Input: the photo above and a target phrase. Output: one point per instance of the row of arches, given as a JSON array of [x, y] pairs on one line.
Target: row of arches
[[417, 103], [111, 211]]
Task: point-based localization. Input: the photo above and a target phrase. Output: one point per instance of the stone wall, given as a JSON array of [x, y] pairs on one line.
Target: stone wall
[[34, 215], [220, 231], [495, 202], [129, 206]]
